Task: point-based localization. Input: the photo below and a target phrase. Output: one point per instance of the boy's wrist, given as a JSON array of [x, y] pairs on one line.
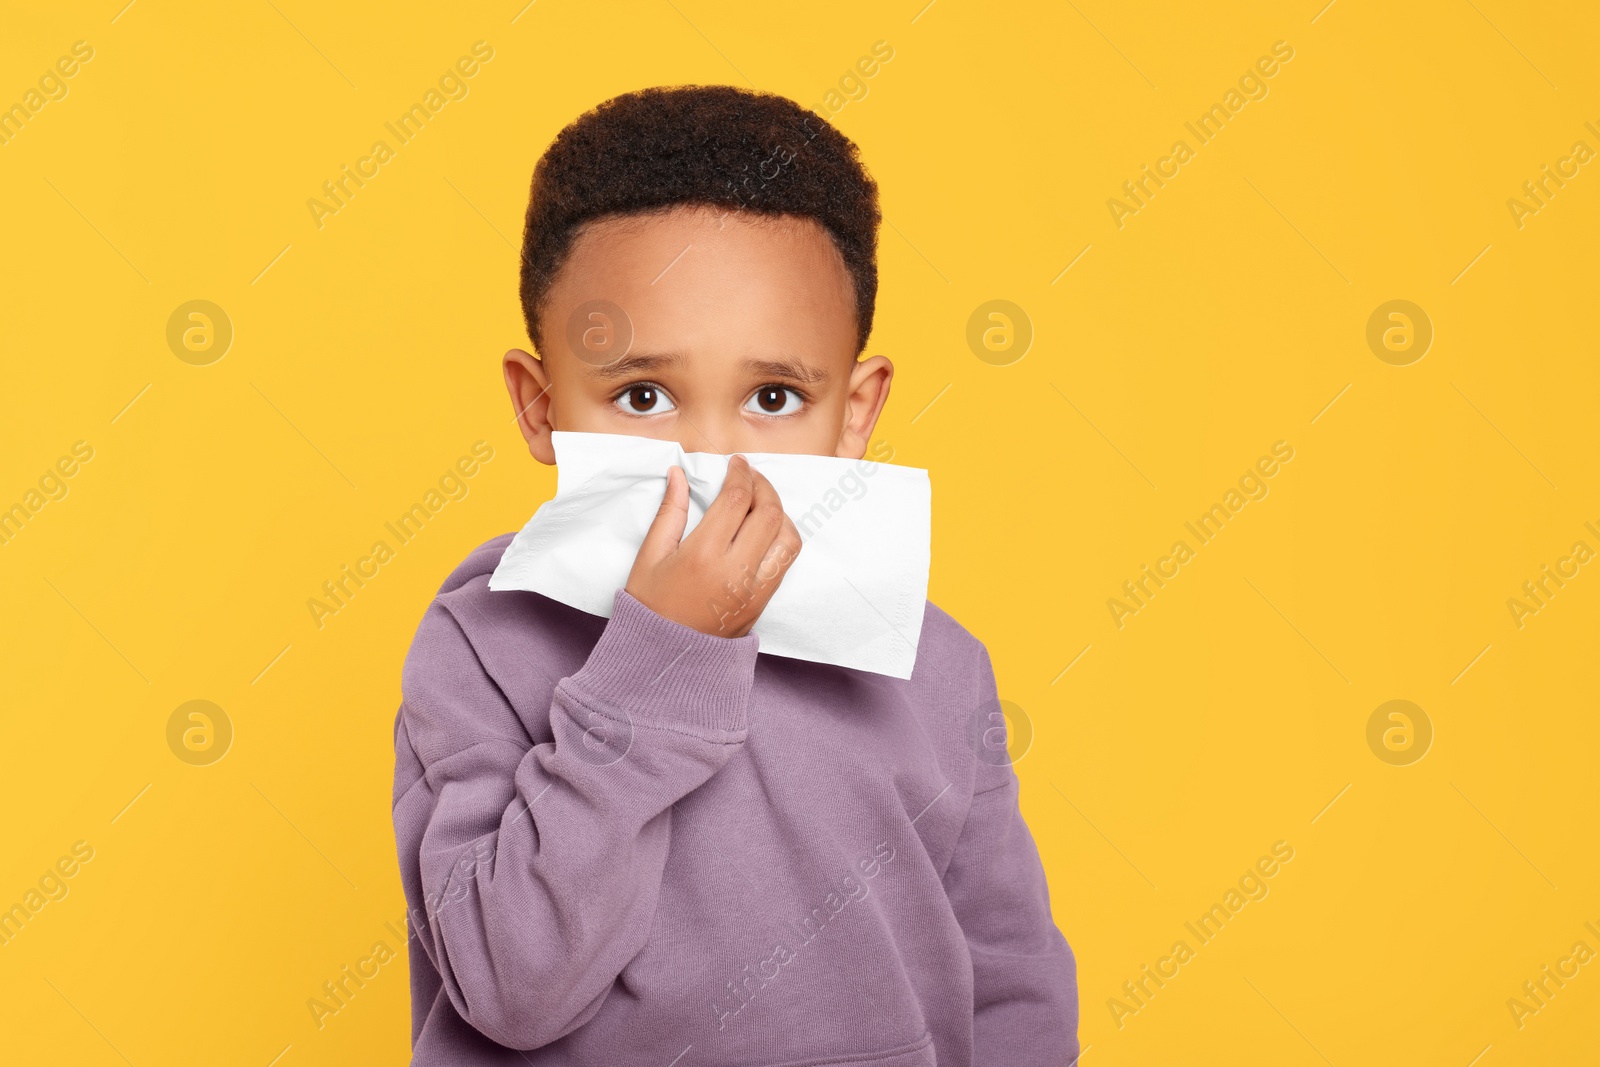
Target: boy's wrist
[[650, 669]]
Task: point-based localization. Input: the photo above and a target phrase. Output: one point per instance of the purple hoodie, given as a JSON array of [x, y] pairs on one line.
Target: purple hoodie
[[627, 842]]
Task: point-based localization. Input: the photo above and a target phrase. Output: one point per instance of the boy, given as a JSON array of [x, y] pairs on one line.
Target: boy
[[635, 840]]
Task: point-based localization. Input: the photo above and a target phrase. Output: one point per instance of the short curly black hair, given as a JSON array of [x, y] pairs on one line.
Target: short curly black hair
[[709, 145]]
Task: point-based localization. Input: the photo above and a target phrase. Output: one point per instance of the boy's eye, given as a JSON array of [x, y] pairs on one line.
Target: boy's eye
[[643, 399], [775, 400]]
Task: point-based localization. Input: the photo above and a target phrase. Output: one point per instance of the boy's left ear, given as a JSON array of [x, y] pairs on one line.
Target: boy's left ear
[[529, 386], [868, 389]]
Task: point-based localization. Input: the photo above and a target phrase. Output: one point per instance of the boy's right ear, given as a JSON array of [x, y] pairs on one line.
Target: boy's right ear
[[529, 386]]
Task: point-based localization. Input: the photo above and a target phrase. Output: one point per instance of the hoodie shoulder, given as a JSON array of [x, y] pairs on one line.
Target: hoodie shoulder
[[949, 651], [949, 634], [480, 561], [509, 647]]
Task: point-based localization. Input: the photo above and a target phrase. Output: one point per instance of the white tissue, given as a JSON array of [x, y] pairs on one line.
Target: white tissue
[[854, 596]]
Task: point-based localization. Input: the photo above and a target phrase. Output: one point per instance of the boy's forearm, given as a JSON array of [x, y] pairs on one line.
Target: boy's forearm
[[541, 866]]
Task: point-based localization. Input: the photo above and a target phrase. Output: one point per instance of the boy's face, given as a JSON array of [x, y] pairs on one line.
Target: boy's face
[[743, 339]]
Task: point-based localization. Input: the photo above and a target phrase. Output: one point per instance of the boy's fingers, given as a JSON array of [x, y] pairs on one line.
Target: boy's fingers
[[761, 524], [780, 555], [666, 529], [726, 513]]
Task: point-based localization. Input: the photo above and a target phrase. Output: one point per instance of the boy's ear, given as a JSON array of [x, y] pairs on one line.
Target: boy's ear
[[529, 386], [867, 391]]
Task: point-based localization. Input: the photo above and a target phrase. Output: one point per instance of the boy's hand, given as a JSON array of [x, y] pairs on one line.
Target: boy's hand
[[717, 580]]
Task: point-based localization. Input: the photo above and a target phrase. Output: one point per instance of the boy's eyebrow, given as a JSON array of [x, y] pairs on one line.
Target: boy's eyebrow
[[789, 368], [628, 366], [792, 369]]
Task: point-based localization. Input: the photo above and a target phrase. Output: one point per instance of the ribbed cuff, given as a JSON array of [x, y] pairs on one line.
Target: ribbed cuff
[[649, 668]]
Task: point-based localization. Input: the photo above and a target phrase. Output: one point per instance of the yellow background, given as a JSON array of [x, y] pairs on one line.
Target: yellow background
[[1224, 316]]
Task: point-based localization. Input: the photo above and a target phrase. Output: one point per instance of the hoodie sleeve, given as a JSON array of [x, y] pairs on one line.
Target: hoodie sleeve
[[532, 871], [1024, 976]]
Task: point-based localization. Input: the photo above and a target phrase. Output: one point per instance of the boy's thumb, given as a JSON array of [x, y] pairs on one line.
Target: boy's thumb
[[666, 530]]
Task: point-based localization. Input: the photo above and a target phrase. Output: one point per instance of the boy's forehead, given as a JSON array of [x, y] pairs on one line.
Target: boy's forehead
[[695, 275], [615, 244]]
